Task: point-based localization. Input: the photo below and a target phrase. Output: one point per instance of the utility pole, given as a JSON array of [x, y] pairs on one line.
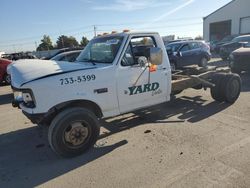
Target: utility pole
[[95, 30]]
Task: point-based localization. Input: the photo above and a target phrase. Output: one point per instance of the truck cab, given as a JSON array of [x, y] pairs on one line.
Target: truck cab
[[114, 74]]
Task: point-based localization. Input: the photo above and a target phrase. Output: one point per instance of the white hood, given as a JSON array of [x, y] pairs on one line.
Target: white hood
[[23, 71]]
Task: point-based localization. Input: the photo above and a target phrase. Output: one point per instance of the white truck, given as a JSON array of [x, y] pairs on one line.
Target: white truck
[[114, 74]]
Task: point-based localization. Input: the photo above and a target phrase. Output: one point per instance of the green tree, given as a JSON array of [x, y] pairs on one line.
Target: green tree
[[199, 37], [46, 44], [84, 41], [65, 41]]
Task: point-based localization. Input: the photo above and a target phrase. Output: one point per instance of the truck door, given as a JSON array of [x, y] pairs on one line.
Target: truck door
[[137, 86]]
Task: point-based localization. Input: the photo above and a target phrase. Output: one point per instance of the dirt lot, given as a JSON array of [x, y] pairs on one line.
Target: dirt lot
[[190, 142]]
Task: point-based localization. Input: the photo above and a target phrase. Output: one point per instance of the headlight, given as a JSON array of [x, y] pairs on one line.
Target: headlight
[[25, 97]]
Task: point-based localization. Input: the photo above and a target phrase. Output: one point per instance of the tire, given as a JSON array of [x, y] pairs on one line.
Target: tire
[[216, 92], [227, 87], [203, 62], [7, 79], [232, 88], [73, 131]]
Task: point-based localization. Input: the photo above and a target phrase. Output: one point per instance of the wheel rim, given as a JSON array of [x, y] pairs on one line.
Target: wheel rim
[[8, 79], [76, 134], [234, 88]]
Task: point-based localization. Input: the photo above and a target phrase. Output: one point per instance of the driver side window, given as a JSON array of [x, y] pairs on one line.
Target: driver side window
[[185, 48], [138, 46]]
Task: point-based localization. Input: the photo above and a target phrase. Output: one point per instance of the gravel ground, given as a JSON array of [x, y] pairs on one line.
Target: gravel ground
[[192, 141]]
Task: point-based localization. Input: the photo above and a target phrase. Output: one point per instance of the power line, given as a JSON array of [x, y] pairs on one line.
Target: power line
[[144, 22], [95, 26]]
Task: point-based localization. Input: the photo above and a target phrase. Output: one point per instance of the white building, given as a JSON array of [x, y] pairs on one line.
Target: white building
[[233, 18]]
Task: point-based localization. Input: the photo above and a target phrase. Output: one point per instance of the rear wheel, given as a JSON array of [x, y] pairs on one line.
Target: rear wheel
[[227, 87], [232, 88], [73, 131], [216, 91]]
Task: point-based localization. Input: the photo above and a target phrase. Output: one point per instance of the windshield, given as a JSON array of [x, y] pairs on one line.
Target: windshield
[[101, 50], [174, 47]]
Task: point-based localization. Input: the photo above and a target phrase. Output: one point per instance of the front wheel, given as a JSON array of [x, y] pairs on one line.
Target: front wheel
[[73, 131]]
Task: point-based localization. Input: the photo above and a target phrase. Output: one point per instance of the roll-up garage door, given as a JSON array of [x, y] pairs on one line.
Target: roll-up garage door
[[245, 25]]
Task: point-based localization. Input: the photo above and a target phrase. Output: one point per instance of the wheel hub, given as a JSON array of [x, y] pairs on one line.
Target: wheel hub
[[76, 134]]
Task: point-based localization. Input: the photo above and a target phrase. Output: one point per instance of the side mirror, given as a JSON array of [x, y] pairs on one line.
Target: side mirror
[[155, 55], [179, 54]]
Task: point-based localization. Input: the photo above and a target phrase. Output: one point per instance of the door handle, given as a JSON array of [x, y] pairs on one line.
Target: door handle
[[101, 90]]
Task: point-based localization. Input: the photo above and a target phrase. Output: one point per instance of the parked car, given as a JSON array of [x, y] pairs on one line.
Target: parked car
[[240, 60], [186, 53], [17, 56], [4, 76], [59, 51], [237, 42], [216, 45], [67, 56]]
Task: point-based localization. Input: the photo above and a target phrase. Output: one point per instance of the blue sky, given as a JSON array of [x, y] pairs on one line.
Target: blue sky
[[25, 22]]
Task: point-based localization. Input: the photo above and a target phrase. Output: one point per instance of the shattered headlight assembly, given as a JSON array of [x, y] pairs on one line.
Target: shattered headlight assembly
[[24, 97]]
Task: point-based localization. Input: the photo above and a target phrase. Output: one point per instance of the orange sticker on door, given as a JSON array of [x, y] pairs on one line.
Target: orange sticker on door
[[153, 68]]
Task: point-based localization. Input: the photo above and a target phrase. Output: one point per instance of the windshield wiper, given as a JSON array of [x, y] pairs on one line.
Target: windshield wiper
[[93, 61]]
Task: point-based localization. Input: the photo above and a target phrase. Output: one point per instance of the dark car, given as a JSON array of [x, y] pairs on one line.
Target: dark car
[[59, 51], [17, 56], [240, 60], [67, 56], [228, 48], [3, 71], [227, 39], [186, 53]]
